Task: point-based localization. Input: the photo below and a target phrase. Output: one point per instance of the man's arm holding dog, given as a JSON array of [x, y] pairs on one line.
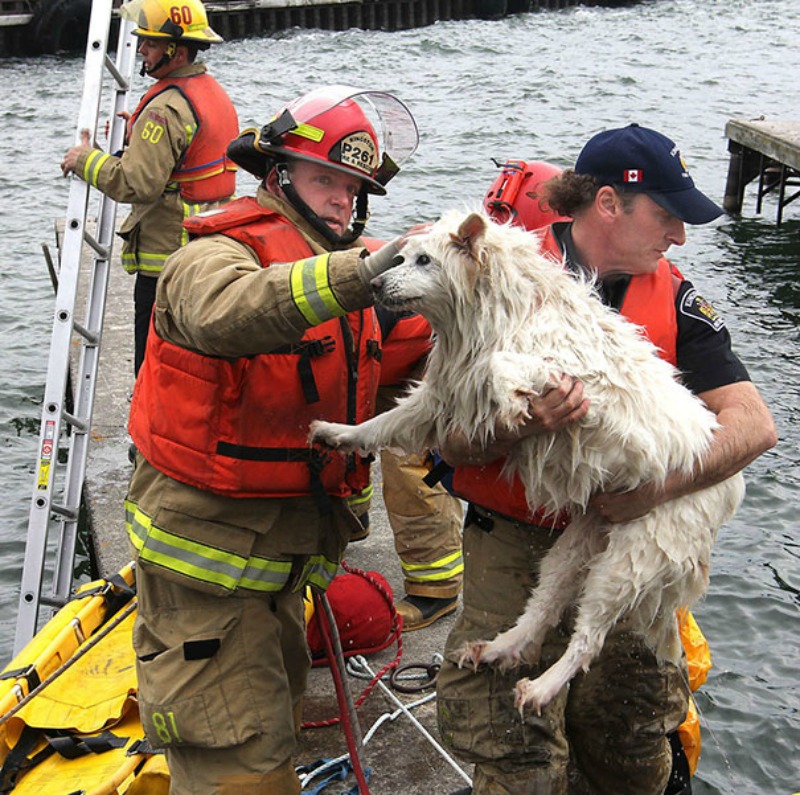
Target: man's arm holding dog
[[747, 430], [549, 412]]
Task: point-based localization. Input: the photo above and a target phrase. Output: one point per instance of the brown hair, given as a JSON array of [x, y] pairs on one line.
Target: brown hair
[[570, 193]]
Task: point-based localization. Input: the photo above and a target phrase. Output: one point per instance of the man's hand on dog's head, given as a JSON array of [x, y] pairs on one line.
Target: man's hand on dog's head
[[388, 255]]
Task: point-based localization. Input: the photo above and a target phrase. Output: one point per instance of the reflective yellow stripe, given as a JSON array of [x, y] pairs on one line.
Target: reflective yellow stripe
[[211, 171], [191, 129], [319, 571], [210, 564], [442, 569], [309, 131], [188, 211], [312, 292], [94, 162], [361, 497], [134, 261]]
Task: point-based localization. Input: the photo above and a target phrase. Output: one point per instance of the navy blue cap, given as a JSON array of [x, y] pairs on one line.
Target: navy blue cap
[[635, 158]]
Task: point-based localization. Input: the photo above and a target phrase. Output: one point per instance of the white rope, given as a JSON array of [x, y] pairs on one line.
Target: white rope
[[404, 709]]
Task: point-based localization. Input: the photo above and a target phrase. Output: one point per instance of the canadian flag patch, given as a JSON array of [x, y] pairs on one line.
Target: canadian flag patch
[[633, 175]]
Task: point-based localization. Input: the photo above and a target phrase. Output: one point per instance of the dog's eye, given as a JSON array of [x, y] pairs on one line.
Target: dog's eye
[[423, 259]]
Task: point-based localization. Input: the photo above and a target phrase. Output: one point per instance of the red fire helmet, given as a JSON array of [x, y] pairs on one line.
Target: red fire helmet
[[336, 126]]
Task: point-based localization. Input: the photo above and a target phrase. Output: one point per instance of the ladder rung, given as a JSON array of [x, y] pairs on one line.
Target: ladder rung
[[76, 422], [65, 511], [91, 337], [51, 601], [112, 67], [102, 251]]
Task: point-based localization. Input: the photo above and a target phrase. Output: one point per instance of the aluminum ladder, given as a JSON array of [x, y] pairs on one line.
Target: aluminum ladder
[[55, 505]]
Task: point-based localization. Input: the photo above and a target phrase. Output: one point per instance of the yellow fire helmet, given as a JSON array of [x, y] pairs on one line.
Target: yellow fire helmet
[[185, 21]]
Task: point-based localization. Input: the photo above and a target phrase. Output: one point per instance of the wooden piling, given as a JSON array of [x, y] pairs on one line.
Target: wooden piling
[[768, 150]]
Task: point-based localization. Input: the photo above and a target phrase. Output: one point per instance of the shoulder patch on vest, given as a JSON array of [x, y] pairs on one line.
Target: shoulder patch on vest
[[155, 116], [695, 306]]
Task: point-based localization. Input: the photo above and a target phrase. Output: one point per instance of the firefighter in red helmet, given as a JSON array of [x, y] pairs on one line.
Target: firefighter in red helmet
[[263, 322]]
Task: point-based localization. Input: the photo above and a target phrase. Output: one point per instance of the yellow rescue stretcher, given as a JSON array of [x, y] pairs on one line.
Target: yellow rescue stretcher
[[69, 720]]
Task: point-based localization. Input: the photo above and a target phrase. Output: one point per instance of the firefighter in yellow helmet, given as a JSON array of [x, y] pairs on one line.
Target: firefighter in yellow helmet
[[262, 323], [174, 163]]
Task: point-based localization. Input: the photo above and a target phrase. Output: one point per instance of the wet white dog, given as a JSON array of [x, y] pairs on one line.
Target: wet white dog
[[508, 322]]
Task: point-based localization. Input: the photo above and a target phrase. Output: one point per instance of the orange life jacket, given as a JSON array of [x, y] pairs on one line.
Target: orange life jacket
[[407, 342], [204, 173], [239, 427], [650, 303]]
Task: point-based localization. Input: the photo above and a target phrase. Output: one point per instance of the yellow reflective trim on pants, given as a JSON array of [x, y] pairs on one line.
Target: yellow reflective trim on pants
[[312, 292], [94, 163], [201, 561], [359, 499], [442, 569], [319, 571]]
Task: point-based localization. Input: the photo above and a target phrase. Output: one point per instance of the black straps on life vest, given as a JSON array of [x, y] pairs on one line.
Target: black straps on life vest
[[306, 351]]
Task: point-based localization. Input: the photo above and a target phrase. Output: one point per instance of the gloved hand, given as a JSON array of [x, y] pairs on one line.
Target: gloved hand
[[387, 256]]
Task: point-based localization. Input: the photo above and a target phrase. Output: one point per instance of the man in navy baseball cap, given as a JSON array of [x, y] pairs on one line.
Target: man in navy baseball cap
[[641, 160], [618, 726]]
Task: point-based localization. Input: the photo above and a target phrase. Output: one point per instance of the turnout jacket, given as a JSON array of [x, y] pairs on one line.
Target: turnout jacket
[[222, 316], [240, 426], [173, 165], [649, 302]]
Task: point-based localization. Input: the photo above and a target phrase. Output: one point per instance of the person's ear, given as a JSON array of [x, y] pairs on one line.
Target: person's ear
[[607, 202]]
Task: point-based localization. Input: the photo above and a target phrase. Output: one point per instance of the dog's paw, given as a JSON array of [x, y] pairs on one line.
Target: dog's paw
[[334, 435], [512, 392], [490, 653], [536, 693], [472, 654]]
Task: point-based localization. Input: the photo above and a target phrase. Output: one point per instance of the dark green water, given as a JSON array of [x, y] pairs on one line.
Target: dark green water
[[532, 86]]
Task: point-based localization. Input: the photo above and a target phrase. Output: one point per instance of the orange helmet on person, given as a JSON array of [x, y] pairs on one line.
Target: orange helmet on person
[[515, 196]]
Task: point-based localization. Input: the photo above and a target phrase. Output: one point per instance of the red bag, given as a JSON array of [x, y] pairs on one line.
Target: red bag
[[363, 607]]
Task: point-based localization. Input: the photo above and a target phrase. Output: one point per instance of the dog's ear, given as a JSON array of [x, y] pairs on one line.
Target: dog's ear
[[469, 234], [467, 240]]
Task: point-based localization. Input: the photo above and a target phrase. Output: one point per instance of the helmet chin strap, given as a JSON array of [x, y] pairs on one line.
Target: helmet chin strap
[[172, 48], [319, 224]]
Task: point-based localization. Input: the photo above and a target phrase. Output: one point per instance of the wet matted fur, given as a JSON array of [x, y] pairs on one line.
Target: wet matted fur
[[508, 321]]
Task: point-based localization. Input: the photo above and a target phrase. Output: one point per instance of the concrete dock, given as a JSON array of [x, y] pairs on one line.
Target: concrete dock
[[766, 150], [401, 758]]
